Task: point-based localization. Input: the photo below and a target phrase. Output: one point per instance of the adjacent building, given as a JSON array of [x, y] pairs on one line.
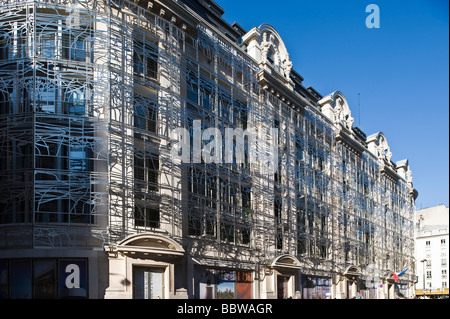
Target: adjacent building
[[97, 201], [432, 251]]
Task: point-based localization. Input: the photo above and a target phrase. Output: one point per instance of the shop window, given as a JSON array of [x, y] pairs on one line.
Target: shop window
[[45, 279], [4, 274], [234, 284], [20, 279], [223, 284], [315, 287]]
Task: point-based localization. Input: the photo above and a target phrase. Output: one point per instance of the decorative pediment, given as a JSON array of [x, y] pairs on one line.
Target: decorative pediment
[[378, 145], [265, 45], [149, 246], [286, 261], [336, 108], [352, 270]]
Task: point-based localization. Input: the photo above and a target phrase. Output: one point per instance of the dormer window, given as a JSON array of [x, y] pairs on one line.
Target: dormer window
[[271, 56]]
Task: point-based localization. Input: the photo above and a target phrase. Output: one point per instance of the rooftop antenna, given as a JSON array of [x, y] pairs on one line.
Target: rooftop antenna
[[359, 112]]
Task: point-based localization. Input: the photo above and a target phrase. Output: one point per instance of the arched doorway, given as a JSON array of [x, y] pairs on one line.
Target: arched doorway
[[352, 274], [142, 267], [286, 270]]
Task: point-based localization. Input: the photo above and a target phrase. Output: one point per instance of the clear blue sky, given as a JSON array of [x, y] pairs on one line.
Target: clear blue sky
[[401, 71]]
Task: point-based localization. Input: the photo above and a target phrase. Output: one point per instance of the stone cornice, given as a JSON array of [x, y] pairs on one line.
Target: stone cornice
[[281, 88], [344, 136]]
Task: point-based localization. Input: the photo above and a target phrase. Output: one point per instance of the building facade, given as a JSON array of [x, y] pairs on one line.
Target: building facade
[[432, 252], [97, 201]]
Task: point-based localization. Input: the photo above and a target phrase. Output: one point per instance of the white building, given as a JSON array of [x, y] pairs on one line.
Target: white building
[[432, 251], [90, 96]]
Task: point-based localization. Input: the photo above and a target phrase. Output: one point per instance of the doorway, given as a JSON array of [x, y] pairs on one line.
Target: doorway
[[282, 287], [148, 283]]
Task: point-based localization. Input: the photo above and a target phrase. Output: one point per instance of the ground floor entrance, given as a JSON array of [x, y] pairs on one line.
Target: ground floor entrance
[[282, 287], [148, 283]]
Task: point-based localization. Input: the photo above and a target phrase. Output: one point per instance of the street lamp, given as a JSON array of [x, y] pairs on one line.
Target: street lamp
[[423, 263]]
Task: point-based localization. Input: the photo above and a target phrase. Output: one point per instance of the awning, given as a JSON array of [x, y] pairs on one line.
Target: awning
[[432, 292]]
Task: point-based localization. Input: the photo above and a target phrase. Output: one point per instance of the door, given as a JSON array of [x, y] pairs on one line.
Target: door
[[148, 283], [349, 289], [282, 287]]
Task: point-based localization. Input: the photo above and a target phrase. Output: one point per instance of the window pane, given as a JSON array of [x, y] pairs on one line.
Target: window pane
[[78, 50], [3, 279], [76, 102], [20, 279], [48, 46], [45, 279], [47, 100], [73, 279]]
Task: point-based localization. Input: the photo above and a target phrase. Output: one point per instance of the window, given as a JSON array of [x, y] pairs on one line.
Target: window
[[20, 279], [227, 232], [145, 113], [79, 159], [428, 274], [442, 241], [47, 45], [6, 45], [192, 86], [146, 216], [7, 102], [145, 59], [46, 100], [222, 284], [43, 278], [427, 243], [74, 46], [271, 56], [428, 263], [240, 114], [301, 246], [146, 172], [75, 102], [246, 199], [444, 262], [444, 285]]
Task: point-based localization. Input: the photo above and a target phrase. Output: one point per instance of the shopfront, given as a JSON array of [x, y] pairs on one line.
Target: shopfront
[[220, 283], [316, 287]]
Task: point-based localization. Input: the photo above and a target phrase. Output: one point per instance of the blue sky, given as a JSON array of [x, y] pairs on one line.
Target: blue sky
[[400, 70]]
